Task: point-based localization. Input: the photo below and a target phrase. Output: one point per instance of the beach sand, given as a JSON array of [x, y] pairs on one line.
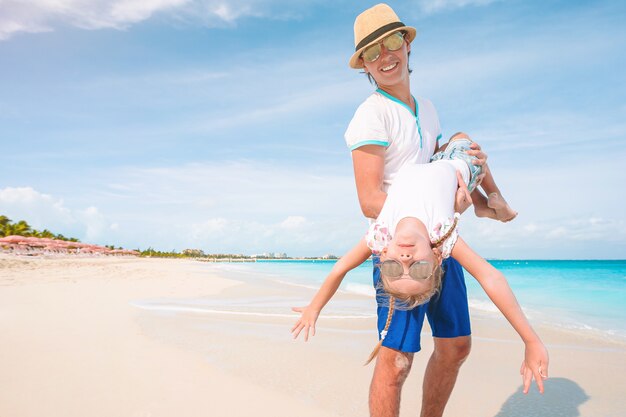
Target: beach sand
[[77, 340]]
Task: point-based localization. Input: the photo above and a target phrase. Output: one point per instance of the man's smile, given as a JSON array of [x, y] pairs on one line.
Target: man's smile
[[389, 67]]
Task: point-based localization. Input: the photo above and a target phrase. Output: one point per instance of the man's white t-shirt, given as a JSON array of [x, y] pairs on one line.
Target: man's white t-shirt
[[386, 121]]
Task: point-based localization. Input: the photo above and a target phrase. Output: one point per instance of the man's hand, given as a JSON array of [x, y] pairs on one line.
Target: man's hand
[[481, 160], [535, 365], [463, 199]]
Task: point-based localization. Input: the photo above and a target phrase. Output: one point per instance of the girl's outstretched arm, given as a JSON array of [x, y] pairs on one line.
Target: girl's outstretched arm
[[535, 362], [355, 257]]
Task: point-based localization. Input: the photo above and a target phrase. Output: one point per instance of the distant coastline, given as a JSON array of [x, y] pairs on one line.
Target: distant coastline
[[331, 260], [250, 259]]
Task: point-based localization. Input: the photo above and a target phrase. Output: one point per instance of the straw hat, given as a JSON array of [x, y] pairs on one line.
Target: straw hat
[[374, 24]]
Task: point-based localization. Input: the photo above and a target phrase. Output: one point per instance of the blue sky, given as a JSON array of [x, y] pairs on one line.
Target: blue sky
[[219, 125]]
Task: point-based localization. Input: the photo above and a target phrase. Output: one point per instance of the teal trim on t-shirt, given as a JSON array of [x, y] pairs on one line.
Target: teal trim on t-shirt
[[397, 100], [402, 103], [369, 142]]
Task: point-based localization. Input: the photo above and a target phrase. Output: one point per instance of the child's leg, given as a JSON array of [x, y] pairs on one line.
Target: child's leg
[[481, 206], [495, 201], [494, 206]]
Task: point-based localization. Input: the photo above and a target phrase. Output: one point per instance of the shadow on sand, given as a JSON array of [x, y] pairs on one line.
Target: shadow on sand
[[562, 398]]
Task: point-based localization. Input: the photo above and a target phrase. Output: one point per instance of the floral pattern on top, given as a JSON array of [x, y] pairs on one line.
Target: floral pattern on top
[[441, 229], [377, 237]]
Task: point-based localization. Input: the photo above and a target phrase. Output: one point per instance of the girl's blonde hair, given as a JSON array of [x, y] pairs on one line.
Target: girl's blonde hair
[[408, 302], [405, 303]]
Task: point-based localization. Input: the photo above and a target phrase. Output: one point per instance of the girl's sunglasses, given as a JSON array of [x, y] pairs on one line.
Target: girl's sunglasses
[[419, 270], [392, 42]]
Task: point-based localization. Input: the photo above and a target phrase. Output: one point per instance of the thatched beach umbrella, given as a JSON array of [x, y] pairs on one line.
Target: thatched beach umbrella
[[15, 239]]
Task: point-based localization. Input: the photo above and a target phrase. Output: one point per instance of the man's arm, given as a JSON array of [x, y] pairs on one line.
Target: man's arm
[[535, 362], [369, 168]]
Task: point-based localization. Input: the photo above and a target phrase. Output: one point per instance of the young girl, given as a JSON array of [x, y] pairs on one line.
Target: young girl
[[415, 230]]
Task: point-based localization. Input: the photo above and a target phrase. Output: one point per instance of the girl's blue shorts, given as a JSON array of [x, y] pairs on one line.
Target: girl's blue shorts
[[447, 312]]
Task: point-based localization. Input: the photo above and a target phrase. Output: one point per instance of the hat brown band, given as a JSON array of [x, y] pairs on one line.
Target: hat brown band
[[378, 32]]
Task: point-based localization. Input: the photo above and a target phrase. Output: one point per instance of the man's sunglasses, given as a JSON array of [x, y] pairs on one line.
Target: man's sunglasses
[[419, 270], [392, 42]]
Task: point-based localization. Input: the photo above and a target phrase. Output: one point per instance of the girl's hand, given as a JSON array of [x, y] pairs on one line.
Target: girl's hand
[[306, 322], [535, 365]]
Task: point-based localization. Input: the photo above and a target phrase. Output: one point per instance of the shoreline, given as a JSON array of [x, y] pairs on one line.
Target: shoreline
[[78, 346], [552, 314]]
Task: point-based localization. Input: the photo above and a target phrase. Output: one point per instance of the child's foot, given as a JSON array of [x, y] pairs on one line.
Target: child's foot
[[484, 211], [504, 212]]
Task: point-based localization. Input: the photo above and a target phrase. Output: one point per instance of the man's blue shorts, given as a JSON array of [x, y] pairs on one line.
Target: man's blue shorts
[[447, 312]]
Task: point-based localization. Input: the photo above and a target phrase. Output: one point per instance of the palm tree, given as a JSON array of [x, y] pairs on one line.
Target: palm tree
[[10, 229], [46, 233], [4, 221], [22, 228]]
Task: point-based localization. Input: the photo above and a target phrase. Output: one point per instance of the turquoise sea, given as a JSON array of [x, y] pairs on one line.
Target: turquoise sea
[[587, 296]]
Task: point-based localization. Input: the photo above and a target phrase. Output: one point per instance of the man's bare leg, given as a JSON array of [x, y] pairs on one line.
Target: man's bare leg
[[441, 373], [390, 372]]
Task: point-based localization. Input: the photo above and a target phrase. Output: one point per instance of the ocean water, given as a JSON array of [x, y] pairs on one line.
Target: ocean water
[[587, 297], [584, 296]]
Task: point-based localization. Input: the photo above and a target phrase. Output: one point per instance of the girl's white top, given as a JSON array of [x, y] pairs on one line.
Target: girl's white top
[[423, 191]]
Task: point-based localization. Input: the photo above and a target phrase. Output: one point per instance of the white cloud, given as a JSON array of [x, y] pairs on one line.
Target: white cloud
[[130, 11], [227, 13], [34, 16], [239, 189], [210, 228], [32, 206], [94, 222], [434, 6], [253, 207], [570, 237], [43, 211], [293, 222], [294, 235], [236, 206]]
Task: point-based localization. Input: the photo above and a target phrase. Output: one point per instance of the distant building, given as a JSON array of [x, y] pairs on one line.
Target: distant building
[[269, 255], [329, 256], [193, 252]]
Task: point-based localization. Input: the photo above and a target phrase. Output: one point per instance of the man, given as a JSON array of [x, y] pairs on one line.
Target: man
[[388, 130]]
